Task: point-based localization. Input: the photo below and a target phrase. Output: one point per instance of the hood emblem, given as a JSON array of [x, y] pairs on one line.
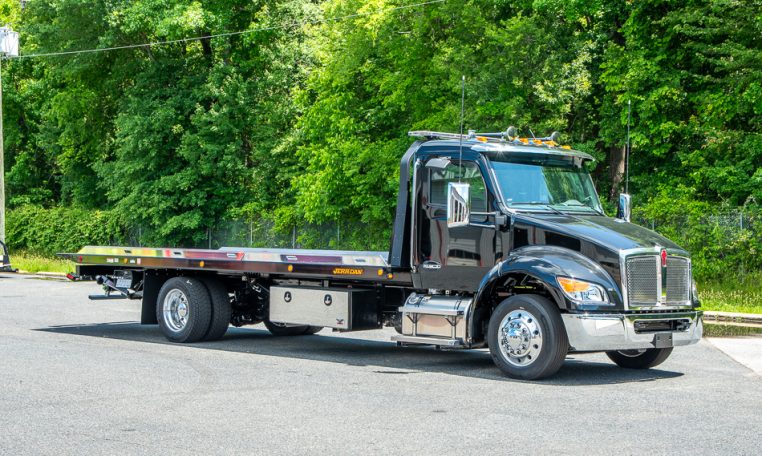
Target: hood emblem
[[663, 287]]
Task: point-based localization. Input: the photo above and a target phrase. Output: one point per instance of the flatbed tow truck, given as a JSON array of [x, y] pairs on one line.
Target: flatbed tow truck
[[498, 241]]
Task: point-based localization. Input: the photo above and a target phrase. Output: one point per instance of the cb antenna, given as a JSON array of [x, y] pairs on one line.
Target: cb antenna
[[462, 108], [627, 152]]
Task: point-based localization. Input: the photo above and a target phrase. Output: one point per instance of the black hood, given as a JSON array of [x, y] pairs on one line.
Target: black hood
[[610, 233]]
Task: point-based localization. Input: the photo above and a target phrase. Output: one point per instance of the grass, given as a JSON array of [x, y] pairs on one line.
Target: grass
[[26, 262], [720, 330], [734, 295]]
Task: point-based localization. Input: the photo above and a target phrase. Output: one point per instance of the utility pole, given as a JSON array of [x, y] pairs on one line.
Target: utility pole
[[9, 47]]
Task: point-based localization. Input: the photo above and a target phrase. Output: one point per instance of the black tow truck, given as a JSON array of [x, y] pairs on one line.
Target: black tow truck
[[498, 241]]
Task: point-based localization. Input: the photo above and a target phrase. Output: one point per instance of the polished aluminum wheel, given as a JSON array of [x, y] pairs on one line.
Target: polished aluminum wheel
[[175, 310], [520, 338]]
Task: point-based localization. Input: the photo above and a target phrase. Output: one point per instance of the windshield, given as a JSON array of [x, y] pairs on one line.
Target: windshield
[[546, 185]]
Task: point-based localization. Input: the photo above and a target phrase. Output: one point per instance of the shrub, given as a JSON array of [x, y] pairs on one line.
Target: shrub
[[46, 232]]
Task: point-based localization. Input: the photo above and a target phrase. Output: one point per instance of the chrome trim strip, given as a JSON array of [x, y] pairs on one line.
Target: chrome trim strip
[[418, 340]]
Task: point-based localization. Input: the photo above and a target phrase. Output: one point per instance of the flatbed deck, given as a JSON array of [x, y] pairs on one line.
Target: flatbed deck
[[296, 263]]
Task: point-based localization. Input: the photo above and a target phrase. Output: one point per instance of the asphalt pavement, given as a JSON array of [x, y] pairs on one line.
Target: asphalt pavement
[[82, 377]]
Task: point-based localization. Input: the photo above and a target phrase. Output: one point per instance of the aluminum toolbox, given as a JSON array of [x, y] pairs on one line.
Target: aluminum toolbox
[[338, 308]]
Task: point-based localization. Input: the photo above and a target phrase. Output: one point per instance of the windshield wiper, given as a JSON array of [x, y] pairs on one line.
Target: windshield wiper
[[545, 205]]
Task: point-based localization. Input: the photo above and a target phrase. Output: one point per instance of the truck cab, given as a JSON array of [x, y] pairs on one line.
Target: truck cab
[[516, 226]]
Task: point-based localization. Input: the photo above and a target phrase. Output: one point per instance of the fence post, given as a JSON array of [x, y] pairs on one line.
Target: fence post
[[251, 233], [293, 237], [209, 236]]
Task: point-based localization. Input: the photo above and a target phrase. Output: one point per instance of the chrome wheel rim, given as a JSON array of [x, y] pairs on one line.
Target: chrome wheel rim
[[176, 310], [520, 338]]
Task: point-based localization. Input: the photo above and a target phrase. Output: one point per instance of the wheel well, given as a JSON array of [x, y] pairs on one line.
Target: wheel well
[[153, 279], [504, 287]]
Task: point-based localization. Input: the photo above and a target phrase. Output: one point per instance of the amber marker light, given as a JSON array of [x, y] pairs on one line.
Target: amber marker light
[[201, 264], [290, 268], [390, 276], [380, 272], [571, 285]]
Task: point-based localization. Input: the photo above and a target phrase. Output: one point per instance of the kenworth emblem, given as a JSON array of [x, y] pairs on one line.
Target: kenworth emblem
[[663, 294]]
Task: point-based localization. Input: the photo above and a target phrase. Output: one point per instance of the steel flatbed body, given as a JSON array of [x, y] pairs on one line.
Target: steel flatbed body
[[353, 266]]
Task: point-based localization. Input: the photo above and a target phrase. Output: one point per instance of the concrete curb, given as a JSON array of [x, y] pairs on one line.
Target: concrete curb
[[733, 319]]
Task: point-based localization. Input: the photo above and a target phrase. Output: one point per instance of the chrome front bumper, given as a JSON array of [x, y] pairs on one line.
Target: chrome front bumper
[[606, 332]]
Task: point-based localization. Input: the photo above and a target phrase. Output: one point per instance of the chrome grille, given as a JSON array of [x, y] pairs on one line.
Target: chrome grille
[[642, 281], [642, 275], [678, 281]]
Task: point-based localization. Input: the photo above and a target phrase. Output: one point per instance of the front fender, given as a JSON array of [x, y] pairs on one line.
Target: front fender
[[546, 263]]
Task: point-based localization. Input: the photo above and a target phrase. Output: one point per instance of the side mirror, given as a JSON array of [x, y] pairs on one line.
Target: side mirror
[[458, 205], [624, 210]]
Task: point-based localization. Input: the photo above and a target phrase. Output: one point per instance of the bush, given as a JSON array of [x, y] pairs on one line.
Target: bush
[[46, 232]]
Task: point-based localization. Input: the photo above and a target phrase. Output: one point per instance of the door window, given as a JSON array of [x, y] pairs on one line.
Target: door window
[[469, 174]]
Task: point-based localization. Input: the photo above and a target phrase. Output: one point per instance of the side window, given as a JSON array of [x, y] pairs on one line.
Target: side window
[[439, 178]]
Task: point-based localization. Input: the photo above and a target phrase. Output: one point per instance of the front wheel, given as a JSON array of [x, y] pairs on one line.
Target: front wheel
[[527, 338], [639, 359]]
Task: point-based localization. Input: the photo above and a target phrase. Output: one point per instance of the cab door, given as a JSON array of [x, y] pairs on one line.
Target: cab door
[[453, 258]]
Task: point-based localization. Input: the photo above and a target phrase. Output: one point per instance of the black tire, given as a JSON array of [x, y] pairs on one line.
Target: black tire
[[539, 320], [198, 309], [222, 309], [278, 329], [313, 330], [636, 359]]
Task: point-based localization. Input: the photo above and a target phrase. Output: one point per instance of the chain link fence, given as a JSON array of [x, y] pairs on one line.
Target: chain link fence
[[265, 233]]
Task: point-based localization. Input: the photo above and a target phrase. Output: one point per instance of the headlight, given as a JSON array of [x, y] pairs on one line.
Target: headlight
[[582, 292]]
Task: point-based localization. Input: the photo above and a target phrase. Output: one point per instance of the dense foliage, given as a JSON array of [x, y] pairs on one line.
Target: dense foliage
[[304, 119]]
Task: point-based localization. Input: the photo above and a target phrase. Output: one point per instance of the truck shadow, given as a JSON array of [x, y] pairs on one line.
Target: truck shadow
[[384, 355]]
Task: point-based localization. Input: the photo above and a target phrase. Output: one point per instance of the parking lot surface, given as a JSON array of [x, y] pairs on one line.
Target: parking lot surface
[[82, 377]]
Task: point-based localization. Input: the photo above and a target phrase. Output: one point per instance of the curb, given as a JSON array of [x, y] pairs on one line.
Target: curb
[[733, 319], [57, 275]]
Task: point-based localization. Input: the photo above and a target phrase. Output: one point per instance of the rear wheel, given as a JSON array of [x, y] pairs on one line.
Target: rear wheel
[[281, 329], [527, 338], [183, 309], [221, 309], [639, 359]]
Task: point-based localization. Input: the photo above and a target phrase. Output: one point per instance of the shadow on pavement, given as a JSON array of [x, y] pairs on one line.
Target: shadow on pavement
[[386, 356]]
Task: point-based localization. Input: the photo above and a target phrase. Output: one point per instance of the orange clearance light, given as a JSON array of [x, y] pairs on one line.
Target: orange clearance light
[[482, 139], [380, 272], [290, 268], [572, 286], [390, 276], [566, 147], [537, 141], [201, 264], [524, 140]]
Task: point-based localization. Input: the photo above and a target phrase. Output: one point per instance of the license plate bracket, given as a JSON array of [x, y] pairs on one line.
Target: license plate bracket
[[663, 340]]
